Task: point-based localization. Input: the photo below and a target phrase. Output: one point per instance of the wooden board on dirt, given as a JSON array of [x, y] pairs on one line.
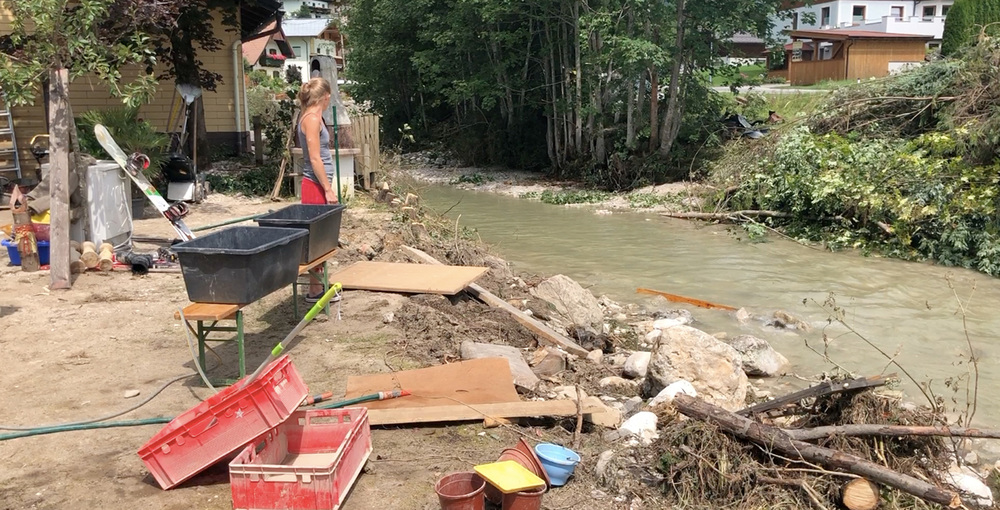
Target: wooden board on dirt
[[478, 381], [476, 412], [407, 278]]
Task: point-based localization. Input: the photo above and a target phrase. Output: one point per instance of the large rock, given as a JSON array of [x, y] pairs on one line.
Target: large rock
[[636, 365], [524, 378], [759, 359], [713, 367], [572, 303]]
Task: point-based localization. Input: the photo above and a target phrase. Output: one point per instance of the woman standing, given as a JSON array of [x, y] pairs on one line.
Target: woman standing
[[314, 138]]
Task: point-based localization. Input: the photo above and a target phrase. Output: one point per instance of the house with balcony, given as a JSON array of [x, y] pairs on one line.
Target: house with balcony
[[310, 37], [906, 17], [267, 49], [315, 8]]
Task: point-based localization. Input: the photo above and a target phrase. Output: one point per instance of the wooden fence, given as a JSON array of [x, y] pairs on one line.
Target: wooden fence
[[365, 131]]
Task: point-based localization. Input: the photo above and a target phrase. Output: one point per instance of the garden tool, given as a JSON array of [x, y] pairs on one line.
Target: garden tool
[[310, 315]]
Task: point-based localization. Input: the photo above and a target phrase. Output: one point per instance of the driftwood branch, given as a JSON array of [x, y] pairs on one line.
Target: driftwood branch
[[725, 215], [775, 439], [889, 431]]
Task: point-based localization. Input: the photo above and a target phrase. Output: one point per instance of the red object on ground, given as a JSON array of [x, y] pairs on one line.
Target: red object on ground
[[312, 192], [309, 462], [223, 424]]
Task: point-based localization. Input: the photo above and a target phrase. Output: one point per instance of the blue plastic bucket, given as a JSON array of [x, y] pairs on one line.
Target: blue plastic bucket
[[15, 256], [558, 462]]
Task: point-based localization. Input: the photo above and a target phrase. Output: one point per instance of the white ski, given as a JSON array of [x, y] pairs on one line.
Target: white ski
[[173, 214]]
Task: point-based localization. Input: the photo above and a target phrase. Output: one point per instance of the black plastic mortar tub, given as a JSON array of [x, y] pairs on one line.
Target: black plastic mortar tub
[[240, 265], [321, 221]]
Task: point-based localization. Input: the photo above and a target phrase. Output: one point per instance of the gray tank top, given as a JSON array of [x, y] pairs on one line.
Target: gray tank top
[[324, 152]]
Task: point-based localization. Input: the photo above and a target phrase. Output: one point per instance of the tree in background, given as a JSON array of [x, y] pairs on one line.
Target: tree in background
[[56, 41], [571, 85], [966, 19]]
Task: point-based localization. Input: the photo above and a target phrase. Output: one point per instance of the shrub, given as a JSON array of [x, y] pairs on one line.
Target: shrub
[[131, 134]]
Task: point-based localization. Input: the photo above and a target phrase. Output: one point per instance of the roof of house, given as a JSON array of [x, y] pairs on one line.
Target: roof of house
[[305, 27], [255, 13], [253, 47], [840, 35]]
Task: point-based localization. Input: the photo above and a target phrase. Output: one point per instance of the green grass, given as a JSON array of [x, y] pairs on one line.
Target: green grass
[[829, 84], [795, 105], [752, 71]]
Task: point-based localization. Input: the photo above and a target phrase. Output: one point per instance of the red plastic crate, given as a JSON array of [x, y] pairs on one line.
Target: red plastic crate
[[309, 462], [223, 424]]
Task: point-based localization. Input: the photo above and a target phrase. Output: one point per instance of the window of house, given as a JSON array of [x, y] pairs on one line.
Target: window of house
[[272, 51], [298, 51], [897, 12], [276, 74], [824, 17], [929, 12], [858, 14], [945, 9], [795, 21]]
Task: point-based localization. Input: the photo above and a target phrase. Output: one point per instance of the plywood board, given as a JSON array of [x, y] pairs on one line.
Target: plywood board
[[407, 278], [477, 412], [478, 381]]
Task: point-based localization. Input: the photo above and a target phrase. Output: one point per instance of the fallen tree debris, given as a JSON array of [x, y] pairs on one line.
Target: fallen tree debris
[[812, 434], [777, 440], [819, 390]]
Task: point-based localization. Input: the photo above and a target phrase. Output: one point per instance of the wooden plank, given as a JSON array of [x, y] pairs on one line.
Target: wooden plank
[[407, 278], [305, 268], [682, 299], [478, 381], [208, 312], [543, 333], [477, 412]]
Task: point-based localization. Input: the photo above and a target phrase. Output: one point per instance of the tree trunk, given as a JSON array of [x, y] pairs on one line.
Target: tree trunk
[[59, 138], [668, 130], [578, 47], [633, 97], [773, 438], [654, 107]]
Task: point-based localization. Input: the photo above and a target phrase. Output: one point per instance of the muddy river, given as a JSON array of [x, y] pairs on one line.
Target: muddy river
[[906, 309]]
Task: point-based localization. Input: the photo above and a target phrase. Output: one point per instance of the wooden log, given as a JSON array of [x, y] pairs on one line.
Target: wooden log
[[889, 431], [89, 254], [543, 333], [24, 235], [775, 439], [725, 215], [474, 412], [860, 494], [106, 258], [77, 267]]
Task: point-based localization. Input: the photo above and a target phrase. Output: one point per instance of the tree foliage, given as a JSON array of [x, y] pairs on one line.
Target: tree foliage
[[965, 21], [572, 85]]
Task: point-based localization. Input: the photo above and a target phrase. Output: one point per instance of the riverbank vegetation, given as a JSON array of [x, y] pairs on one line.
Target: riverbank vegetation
[[613, 92], [903, 166]]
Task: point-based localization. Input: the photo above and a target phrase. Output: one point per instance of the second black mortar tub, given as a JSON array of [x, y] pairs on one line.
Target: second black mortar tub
[[322, 222]]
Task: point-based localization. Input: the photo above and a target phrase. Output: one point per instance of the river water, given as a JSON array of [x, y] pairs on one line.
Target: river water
[[907, 309]]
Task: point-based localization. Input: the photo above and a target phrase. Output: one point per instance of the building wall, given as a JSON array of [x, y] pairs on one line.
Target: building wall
[[87, 93], [841, 15], [872, 58]]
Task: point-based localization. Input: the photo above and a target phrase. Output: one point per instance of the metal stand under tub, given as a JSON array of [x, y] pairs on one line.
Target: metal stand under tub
[[207, 316]]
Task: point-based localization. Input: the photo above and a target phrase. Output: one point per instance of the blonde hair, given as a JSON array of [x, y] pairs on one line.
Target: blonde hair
[[312, 91]]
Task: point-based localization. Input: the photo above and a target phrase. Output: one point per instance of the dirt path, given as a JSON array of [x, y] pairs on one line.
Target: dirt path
[[72, 355]]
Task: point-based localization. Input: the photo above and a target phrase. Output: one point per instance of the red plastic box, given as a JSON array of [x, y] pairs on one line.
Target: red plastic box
[[223, 424], [309, 462]]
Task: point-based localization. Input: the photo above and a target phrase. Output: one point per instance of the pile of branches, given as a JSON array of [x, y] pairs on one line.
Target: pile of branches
[[960, 95]]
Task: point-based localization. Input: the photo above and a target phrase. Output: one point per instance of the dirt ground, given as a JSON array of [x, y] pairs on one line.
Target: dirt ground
[[71, 355]]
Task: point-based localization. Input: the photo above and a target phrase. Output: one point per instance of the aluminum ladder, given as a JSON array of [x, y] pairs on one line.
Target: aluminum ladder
[[10, 160]]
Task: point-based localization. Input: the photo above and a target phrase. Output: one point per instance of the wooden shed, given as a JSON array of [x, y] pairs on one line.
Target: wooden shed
[[850, 54]]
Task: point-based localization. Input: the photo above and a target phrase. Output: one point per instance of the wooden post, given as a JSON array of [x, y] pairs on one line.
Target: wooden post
[[258, 141], [59, 133]]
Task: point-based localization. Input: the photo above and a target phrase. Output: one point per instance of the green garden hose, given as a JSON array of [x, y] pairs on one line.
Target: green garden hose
[[83, 426]]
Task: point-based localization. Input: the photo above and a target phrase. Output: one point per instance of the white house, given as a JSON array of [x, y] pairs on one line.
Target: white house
[[317, 8], [912, 17], [309, 37]]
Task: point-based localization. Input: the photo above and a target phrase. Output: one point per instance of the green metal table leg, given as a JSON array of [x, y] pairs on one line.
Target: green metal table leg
[[239, 343], [202, 336]]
